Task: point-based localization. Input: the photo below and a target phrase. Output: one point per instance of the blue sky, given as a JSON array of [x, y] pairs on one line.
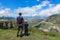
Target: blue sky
[[29, 7], [24, 3], [19, 3]]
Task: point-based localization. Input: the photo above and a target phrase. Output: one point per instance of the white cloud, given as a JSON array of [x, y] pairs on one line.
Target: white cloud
[[50, 5], [5, 12], [27, 11], [38, 0], [32, 11], [45, 3], [51, 11]]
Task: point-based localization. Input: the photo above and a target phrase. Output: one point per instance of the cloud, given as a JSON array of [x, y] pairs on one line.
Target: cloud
[[50, 11], [27, 11], [34, 10], [45, 3], [38, 0], [5, 12]]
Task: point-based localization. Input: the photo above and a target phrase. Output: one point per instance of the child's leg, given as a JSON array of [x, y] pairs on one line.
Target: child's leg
[[26, 32]]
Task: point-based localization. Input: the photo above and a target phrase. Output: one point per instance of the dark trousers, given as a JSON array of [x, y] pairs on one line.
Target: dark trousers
[[26, 31], [20, 30]]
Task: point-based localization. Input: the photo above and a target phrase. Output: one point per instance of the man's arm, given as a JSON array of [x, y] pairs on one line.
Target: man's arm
[[16, 22], [22, 20]]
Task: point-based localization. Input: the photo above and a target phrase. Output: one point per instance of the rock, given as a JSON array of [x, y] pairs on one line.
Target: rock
[[6, 24], [54, 28], [46, 30]]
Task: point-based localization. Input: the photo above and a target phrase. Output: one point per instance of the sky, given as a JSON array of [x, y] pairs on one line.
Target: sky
[[29, 8]]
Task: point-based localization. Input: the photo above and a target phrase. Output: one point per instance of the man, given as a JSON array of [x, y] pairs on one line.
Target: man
[[20, 24]]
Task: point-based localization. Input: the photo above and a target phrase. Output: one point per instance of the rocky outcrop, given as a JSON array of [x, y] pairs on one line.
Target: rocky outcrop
[[7, 24], [51, 28]]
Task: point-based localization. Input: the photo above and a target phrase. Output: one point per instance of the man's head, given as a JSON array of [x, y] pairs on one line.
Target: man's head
[[20, 14]]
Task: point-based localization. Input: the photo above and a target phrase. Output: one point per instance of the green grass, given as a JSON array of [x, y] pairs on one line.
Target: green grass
[[35, 34]]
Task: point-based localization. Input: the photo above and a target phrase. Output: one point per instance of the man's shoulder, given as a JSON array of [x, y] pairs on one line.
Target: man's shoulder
[[19, 17]]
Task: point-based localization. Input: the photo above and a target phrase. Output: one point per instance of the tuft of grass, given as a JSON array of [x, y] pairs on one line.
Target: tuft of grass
[[35, 34]]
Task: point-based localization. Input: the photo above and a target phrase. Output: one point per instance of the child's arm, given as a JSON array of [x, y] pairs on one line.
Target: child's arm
[[27, 24]]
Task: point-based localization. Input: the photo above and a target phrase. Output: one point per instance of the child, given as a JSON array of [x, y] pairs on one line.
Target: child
[[26, 28]]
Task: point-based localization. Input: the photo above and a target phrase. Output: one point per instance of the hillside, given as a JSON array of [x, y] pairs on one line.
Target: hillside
[[7, 18], [54, 19], [35, 34], [34, 21], [52, 23]]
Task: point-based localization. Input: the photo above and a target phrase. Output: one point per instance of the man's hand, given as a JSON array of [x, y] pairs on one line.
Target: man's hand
[[16, 23]]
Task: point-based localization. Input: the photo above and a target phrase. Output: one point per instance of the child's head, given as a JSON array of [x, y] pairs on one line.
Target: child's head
[[25, 21]]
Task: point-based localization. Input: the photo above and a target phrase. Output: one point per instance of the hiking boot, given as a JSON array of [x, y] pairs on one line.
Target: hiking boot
[[21, 35], [17, 35]]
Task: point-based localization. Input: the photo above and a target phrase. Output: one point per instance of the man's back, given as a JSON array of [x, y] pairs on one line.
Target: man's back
[[19, 20]]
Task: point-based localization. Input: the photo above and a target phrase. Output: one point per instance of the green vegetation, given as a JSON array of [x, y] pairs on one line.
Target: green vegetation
[[35, 34], [53, 20]]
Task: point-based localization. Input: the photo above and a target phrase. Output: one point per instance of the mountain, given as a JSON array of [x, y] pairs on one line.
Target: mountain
[[34, 17], [54, 19], [33, 20], [51, 23], [7, 18]]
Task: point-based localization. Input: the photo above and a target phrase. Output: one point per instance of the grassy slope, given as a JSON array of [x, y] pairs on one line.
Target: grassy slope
[[35, 34], [53, 20]]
